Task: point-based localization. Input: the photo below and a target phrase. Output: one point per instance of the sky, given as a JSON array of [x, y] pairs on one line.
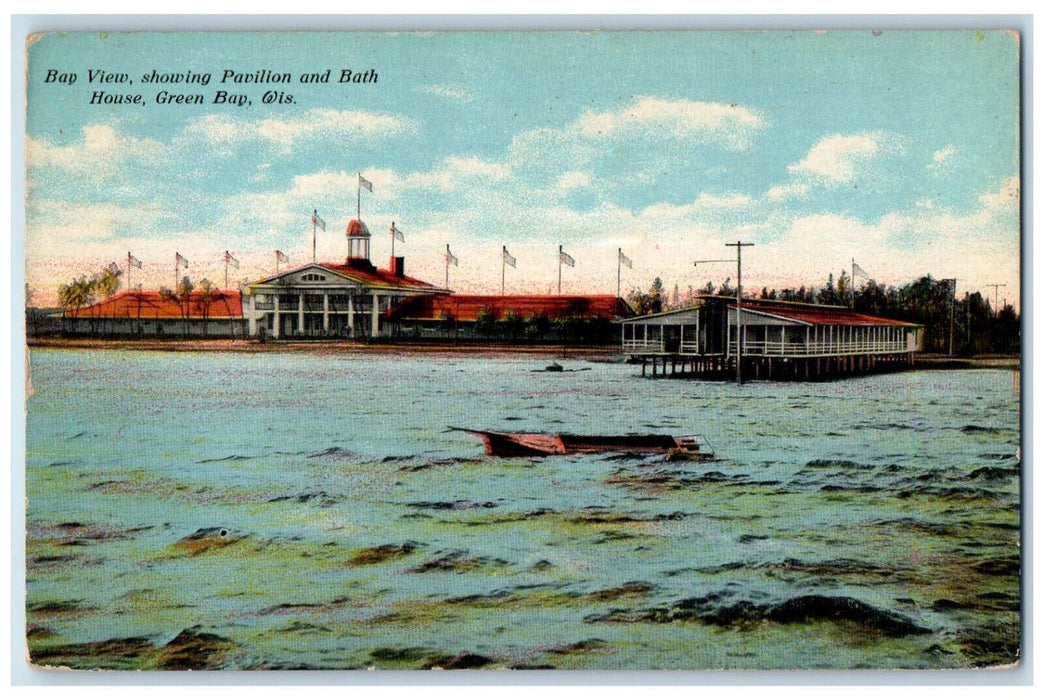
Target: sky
[[899, 150]]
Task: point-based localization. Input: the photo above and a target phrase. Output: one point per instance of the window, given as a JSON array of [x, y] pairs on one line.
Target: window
[[313, 277]]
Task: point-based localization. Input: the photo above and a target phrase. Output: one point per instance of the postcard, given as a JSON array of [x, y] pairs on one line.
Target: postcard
[[602, 350]]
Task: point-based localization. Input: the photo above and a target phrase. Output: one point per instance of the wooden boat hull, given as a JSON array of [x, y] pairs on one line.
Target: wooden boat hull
[[542, 445]]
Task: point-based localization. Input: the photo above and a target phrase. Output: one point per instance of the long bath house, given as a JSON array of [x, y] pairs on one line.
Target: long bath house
[[773, 340]]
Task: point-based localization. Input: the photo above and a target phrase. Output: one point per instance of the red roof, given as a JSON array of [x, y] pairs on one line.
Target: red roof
[[357, 228], [376, 277], [134, 304], [467, 307], [818, 315]]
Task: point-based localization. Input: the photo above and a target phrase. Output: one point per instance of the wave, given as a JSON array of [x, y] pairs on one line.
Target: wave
[[719, 610]]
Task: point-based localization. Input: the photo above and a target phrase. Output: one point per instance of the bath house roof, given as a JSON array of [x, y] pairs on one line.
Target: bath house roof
[[151, 304], [770, 311]]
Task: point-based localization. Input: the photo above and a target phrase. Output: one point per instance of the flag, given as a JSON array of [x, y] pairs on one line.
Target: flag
[[509, 259], [133, 261], [451, 259], [363, 182], [316, 221], [281, 257], [397, 234], [566, 259], [230, 260], [180, 261], [624, 260], [856, 270]]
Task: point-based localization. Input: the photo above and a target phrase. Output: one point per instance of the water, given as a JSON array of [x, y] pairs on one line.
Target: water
[[289, 510]]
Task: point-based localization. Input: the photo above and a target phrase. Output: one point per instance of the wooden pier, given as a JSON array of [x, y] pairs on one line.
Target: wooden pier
[[776, 341], [659, 365]]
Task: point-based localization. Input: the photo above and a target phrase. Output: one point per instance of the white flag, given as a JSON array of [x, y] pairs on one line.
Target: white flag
[[509, 259], [451, 259], [397, 234], [363, 182], [566, 258], [316, 221], [856, 270], [624, 260], [281, 257]]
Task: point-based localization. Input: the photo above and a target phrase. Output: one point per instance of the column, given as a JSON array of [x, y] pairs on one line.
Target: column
[[326, 312], [252, 318], [300, 312], [351, 314], [276, 317], [373, 316]]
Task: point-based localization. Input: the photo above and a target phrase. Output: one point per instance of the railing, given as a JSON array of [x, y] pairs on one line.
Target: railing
[[780, 348], [686, 347], [644, 345]]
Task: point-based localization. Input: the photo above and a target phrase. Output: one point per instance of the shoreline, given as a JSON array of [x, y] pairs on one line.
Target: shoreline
[[602, 353]]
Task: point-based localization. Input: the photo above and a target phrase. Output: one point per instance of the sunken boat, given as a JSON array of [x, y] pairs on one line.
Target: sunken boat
[[502, 444]]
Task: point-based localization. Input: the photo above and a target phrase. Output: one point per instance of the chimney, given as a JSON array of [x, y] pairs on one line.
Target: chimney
[[397, 266]]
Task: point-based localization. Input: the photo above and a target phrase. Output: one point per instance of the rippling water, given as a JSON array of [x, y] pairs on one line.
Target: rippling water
[[286, 510]]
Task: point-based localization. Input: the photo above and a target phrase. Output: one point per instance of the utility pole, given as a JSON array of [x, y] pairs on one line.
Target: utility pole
[[739, 246], [953, 300], [996, 309]]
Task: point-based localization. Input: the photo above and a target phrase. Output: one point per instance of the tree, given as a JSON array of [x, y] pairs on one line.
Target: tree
[[76, 295], [486, 322], [656, 296], [206, 298], [828, 294], [512, 325]]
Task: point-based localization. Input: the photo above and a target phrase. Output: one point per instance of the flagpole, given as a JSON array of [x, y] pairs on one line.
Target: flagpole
[[503, 266], [358, 197], [447, 265], [559, 270], [619, 262], [277, 262], [315, 223], [128, 270]]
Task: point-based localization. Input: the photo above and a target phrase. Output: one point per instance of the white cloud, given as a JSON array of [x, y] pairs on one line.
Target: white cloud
[[573, 180], [679, 120], [974, 247], [836, 158], [1006, 198], [651, 128], [729, 201], [222, 129], [52, 225], [97, 156], [780, 193], [943, 155], [455, 93]]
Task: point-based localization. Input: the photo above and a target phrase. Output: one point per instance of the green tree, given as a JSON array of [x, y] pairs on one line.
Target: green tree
[[486, 322], [206, 298]]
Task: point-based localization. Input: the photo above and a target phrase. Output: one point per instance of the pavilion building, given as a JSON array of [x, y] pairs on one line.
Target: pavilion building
[[332, 300]]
